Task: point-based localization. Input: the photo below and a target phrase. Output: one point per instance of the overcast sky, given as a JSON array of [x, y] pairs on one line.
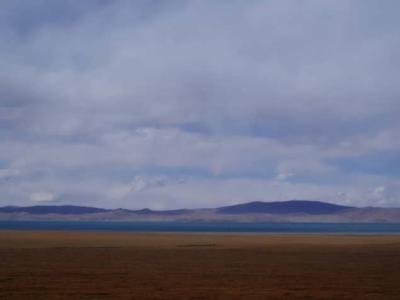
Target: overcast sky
[[167, 104]]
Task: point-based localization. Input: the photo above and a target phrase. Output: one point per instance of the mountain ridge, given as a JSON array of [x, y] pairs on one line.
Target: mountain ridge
[[274, 207], [256, 211], [285, 207]]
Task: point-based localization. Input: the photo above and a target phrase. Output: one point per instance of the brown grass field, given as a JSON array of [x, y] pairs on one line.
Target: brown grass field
[[100, 265]]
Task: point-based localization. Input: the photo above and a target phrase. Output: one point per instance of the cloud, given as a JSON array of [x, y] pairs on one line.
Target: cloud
[[42, 197], [284, 176], [113, 103], [8, 173]]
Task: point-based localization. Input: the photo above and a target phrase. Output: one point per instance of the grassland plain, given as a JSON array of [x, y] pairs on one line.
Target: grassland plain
[[113, 265]]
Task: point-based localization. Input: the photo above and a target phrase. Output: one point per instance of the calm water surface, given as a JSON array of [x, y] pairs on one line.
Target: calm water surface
[[328, 228]]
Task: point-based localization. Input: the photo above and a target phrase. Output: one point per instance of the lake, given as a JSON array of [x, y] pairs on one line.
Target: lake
[[249, 227]]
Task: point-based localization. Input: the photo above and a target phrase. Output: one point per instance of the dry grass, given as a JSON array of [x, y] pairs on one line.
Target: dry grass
[[72, 265]]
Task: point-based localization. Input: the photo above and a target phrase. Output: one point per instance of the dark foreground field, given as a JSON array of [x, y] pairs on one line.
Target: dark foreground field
[[66, 265]]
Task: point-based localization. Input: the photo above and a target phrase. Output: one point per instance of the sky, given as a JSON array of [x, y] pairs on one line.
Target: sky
[[172, 104]]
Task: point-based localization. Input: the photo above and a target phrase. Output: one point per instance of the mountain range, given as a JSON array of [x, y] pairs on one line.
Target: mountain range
[[285, 211]]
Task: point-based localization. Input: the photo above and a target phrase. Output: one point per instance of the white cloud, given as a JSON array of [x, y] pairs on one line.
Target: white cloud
[[8, 173], [268, 94], [284, 176], [42, 196]]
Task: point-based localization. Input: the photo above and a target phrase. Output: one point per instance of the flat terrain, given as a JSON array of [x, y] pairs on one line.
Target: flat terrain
[[100, 265]]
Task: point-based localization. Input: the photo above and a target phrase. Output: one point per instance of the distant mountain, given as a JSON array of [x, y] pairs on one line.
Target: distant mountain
[[285, 207], [174, 212], [52, 209], [286, 211], [82, 210]]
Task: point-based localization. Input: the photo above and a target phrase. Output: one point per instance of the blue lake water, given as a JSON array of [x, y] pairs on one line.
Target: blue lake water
[[287, 228]]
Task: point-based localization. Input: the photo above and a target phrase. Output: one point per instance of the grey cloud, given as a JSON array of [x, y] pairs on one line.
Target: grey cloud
[[230, 88]]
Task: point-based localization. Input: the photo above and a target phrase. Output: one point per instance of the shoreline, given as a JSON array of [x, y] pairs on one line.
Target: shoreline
[[217, 233], [249, 228]]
